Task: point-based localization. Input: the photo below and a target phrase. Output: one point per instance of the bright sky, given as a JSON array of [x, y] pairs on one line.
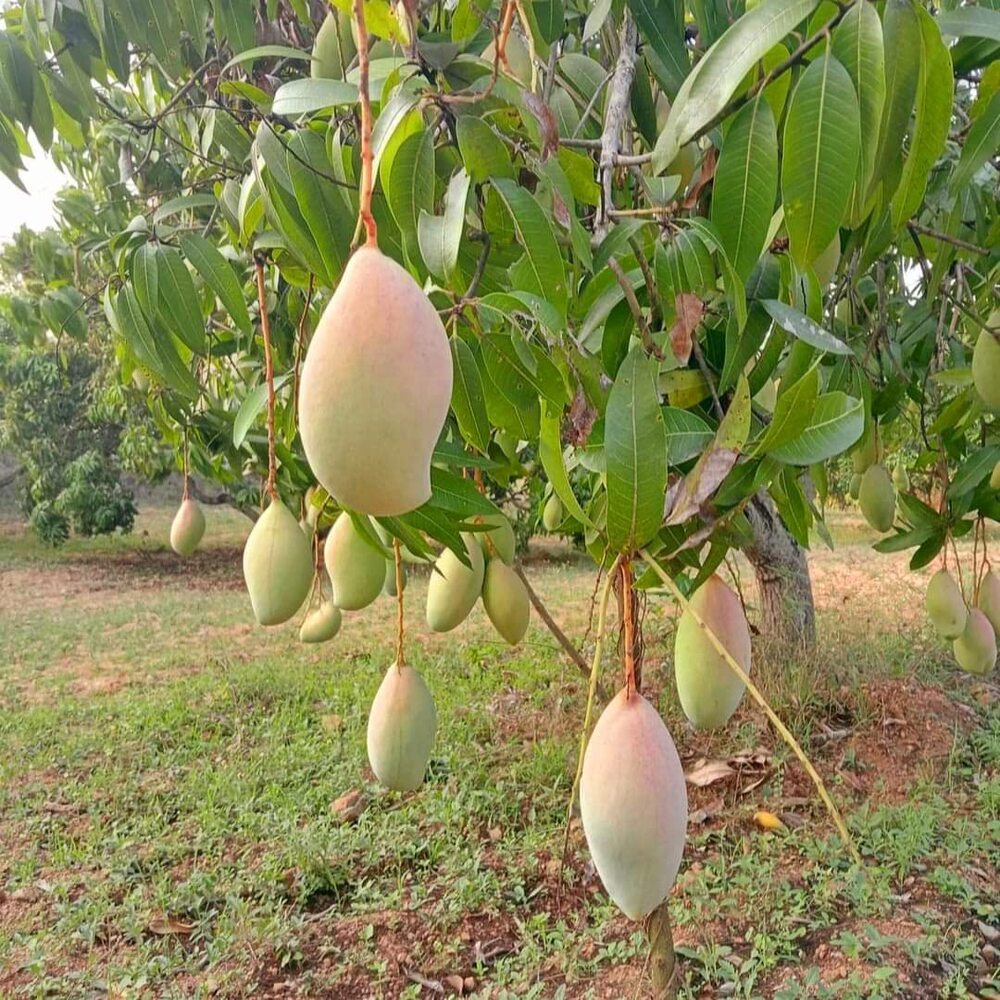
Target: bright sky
[[43, 181]]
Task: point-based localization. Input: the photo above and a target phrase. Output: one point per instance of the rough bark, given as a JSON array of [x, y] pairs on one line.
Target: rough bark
[[788, 614], [663, 969]]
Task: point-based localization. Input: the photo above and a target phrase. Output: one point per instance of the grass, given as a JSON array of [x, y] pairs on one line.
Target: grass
[[167, 772]]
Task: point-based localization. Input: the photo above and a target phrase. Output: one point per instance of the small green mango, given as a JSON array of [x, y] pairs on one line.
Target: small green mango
[[389, 587], [552, 513], [986, 367], [877, 498], [321, 624], [995, 477], [868, 450], [709, 691], [501, 537], [188, 528], [454, 588], [401, 727], [976, 648], [506, 601], [901, 478], [945, 605], [277, 565], [855, 486], [356, 569]]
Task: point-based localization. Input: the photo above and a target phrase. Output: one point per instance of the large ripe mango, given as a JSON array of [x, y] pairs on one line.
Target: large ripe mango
[[877, 498], [708, 689], [633, 803], [506, 601], [357, 570], [454, 588], [976, 648], [332, 54], [188, 528], [401, 728], [986, 367], [501, 538], [375, 389], [945, 605], [277, 565], [989, 599], [321, 624]]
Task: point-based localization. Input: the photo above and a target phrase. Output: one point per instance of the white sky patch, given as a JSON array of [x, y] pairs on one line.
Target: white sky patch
[[43, 180]]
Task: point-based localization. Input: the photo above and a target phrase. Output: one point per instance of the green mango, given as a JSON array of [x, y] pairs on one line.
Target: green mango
[[976, 648], [188, 527], [501, 538], [277, 565], [506, 601], [986, 367], [552, 513], [945, 605], [402, 724], [877, 498], [321, 624], [356, 569], [454, 588]]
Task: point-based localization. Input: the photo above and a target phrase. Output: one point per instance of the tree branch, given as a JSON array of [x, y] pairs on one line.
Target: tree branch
[[219, 500], [614, 121], [917, 227]]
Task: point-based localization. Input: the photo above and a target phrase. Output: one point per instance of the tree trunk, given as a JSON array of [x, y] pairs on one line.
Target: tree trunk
[[788, 615]]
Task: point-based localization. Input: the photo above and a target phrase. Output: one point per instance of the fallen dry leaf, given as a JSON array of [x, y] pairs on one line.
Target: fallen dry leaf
[[689, 309], [703, 815], [707, 772], [331, 723], [164, 924]]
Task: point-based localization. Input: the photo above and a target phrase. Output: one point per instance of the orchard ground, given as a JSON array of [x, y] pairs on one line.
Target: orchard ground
[[174, 822]]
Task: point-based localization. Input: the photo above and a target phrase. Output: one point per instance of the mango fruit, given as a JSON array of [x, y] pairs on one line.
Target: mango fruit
[[401, 728], [826, 264], [321, 624], [357, 570], [389, 587], [989, 599], [277, 565], [708, 689], [877, 498], [375, 389], [187, 528], [633, 804], [331, 56], [868, 450], [552, 513], [995, 477], [945, 605], [500, 537], [976, 648], [855, 486], [986, 368], [454, 588], [901, 478], [506, 601]]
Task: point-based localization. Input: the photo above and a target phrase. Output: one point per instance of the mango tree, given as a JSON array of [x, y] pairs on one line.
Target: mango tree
[[681, 255]]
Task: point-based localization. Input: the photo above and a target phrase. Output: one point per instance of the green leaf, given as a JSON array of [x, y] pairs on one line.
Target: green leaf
[[857, 45], [300, 97], [973, 471], [805, 329], [440, 236], [266, 52], [410, 190], [483, 151], [820, 157], [636, 451], [711, 84], [458, 495], [901, 38], [396, 110], [159, 354], [511, 400], [235, 21], [970, 22], [145, 277], [379, 18], [687, 434], [184, 203], [541, 271], [792, 413], [550, 452], [837, 422], [467, 398], [218, 274], [179, 308], [252, 406], [981, 143], [746, 182], [327, 213], [666, 51], [734, 428], [930, 131]]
